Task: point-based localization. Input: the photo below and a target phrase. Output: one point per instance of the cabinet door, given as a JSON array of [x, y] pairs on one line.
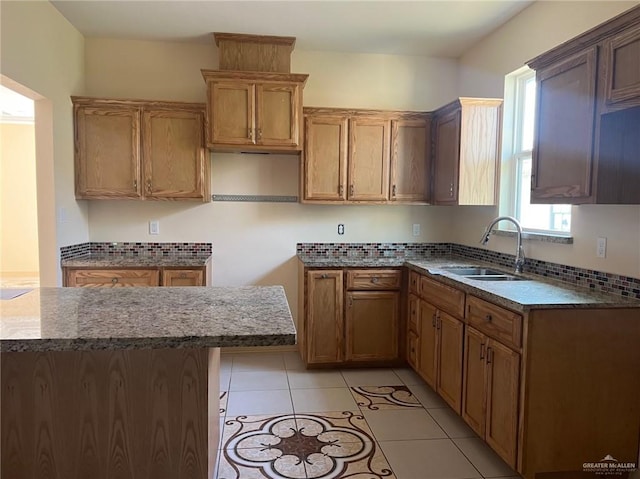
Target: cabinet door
[[325, 158], [173, 155], [503, 381], [564, 130], [231, 106], [372, 321], [428, 359], [446, 158], [182, 277], [325, 325], [368, 160], [450, 341], [278, 114], [116, 278], [474, 380], [107, 152], [410, 160], [622, 66]]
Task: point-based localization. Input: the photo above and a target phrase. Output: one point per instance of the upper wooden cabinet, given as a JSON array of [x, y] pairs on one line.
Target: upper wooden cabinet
[[588, 116], [254, 111], [466, 152], [365, 156], [126, 149]]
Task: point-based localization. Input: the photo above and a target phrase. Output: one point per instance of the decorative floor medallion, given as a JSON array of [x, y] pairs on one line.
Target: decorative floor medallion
[[384, 397], [316, 446], [224, 396]]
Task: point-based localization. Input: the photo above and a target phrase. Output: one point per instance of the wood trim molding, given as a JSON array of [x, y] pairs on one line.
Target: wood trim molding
[[215, 75], [366, 113], [92, 101], [245, 38]]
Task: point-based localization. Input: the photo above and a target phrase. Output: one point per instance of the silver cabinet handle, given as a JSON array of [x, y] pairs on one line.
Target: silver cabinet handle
[[393, 191], [481, 350], [341, 190], [351, 190]]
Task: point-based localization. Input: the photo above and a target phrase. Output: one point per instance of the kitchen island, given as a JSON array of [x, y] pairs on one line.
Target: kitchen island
[[123, 382]]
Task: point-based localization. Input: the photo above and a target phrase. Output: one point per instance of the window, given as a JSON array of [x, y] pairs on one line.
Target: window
[[519, 109]]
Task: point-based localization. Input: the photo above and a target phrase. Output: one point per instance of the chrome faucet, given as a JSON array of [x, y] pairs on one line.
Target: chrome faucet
[[519, 250]]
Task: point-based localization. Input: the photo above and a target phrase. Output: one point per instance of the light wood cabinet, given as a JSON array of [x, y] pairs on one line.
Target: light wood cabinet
[[349, 316], [126, 149], [254, 111], [368, 156], [372, 325], [123, 277], [491, 392], [587, 117], [116, 278], [183, 277], [466, 145]]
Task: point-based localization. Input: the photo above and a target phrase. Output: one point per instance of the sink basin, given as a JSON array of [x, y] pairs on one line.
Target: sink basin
[[472, 271], [497, 277]]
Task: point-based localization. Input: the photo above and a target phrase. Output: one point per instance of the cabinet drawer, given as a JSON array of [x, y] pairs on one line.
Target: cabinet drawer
[[495, 322], [442, 296], [414, 282], [182, 277], [366, 279], [112, 278]]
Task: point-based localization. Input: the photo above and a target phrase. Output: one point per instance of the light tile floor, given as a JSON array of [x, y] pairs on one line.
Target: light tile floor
[[281, 421]]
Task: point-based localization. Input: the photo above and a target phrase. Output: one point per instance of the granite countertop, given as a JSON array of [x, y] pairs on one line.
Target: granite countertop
[[532, 292], [48, 319], [124, 261]]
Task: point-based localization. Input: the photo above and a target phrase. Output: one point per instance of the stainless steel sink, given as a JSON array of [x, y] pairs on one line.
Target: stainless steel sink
[[481, 274], [462, 271]]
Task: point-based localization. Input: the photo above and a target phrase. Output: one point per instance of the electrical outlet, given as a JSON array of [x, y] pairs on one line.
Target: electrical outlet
[[416, 229], [340, 229], [154, 227], [601, 247]]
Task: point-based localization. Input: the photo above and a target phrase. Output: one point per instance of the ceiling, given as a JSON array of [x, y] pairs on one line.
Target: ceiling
[[430, 28]]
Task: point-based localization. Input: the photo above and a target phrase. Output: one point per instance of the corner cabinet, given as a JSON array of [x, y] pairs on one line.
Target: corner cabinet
[[349, 316], [588, 116], [129, 149], [365, 156], [254, 111], [466, 152]]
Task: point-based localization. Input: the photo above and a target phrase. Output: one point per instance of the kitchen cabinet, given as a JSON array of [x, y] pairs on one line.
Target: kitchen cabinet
[[124, 277], [126, 149], [440, 340], [491, 392], [324, 324], [466, 152], [349, 316], [366, 156], [587, 117], [254, 111]]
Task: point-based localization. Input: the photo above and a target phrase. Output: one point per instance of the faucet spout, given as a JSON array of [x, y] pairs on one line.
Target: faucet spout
[[520, 258]]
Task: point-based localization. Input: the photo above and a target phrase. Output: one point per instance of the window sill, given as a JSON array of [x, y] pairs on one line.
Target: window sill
[[544, 237]]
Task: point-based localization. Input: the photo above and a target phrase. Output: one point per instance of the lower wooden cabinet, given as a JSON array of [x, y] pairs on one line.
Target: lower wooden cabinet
[[349, 316], [122, 277], [117, 278], [440, 353], [372, 325], [491, 392]]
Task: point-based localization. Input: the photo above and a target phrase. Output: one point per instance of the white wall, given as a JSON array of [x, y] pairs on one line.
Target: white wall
[[18, 205], [535, 30], [42, 52], [254, 243]]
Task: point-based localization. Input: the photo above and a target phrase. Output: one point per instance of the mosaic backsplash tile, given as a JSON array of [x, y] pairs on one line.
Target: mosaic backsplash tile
[[624, 286], [135, 249]]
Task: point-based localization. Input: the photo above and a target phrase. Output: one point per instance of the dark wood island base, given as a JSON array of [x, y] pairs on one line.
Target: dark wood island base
[[125, 414]]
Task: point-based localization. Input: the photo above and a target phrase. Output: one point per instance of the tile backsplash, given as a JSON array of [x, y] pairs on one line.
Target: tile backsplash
[[624, 286], [136, 249]]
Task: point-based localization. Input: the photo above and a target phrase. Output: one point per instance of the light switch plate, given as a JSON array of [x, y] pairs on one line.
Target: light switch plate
[[416, 229]]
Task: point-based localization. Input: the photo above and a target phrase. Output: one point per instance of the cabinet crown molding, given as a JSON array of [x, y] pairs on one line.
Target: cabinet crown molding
[[217, 75], [93, 101]]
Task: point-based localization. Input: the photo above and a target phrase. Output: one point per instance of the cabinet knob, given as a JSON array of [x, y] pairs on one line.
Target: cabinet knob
[[393, 191], [135, 184], [250, 133], [351, 190], [183, 275], [374, 280], [259, 133], [149, 186], [488, 317], [324, 276], [341, 190], [114, 280], [451, 189]]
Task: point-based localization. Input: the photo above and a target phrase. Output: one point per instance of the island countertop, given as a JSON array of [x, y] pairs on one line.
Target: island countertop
[[59, 319]]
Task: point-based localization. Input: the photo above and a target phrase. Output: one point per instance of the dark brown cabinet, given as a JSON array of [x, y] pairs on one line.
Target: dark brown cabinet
[[588, 117]]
